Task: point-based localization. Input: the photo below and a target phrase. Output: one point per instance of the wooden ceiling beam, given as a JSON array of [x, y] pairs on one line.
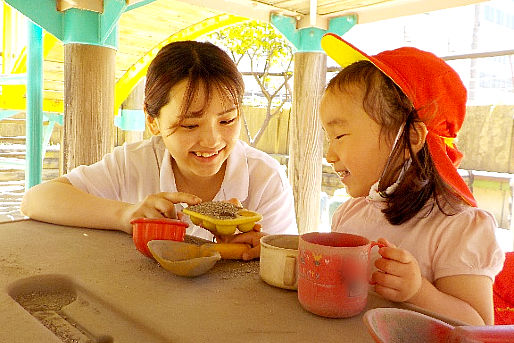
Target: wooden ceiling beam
[[89, 5], [398, 8], [247, 8], [261, 10]]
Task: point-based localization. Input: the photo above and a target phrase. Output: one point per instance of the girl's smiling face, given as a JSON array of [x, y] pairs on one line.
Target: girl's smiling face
[[201, 142], [357, 149]]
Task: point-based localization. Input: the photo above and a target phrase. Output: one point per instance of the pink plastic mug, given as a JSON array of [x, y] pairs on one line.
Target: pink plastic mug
[[333, 273]]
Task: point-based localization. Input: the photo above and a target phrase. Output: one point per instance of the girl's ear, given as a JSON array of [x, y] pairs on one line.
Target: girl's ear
[[153, 124], [418, 136]]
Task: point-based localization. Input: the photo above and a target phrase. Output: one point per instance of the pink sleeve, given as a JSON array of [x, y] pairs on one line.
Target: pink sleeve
[[338, 217], [468, 245]]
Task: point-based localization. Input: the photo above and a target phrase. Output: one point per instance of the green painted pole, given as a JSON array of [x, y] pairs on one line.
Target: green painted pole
[[34, 120]]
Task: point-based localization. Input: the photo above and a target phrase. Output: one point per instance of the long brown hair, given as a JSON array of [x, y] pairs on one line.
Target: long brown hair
[[202, 64], [389, 107]]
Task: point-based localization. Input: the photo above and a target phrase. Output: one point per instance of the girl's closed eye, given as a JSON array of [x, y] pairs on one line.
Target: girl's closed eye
[[229, 118], [228, 121], [189, 124], [189, 127], [341, 136]]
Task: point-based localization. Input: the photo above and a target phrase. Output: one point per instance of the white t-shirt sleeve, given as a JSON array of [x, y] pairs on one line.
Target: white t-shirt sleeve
[[277, 206], [104, 179], [468, 245]]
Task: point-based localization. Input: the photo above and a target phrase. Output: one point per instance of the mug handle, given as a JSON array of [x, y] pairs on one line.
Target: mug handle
[[290, 271], [380, 245]]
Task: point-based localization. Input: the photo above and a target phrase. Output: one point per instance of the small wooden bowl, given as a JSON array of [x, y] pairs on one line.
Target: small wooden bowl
[[184, 259], [146, 229]]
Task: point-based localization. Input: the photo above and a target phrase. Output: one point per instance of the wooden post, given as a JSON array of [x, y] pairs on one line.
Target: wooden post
[[89, 80], [134, 102], [306, 138]]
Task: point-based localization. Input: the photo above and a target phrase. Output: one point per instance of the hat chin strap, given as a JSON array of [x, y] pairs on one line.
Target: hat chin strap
[[376, 195]]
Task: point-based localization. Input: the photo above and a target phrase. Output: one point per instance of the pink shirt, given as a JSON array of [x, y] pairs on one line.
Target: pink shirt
[[464, 243]]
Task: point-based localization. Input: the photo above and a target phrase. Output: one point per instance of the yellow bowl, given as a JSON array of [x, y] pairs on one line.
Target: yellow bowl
[[244, 221]]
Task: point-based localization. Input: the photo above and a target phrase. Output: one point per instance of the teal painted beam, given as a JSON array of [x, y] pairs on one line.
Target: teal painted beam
[[75, 25], [138, 4], [343, 24], [309, 39], [130, 120], [7, 113], [84, 27], [42, 12], [54, 117], [109, 20], [34, 120], [287, 26], [13, 79]]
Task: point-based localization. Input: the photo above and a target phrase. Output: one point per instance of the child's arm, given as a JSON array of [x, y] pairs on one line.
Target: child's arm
[[476, 290], [59, 202], [467, 298]]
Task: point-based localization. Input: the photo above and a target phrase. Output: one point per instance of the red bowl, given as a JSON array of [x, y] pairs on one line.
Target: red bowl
[[145, 230]]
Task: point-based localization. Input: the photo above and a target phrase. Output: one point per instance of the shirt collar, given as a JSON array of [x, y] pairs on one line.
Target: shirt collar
[[236, 181], [167, 178]]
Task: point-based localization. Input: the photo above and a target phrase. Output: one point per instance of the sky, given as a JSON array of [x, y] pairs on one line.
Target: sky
[[448, 33], [443, 32]]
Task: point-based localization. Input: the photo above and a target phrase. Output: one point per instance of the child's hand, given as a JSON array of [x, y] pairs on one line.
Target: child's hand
[[251, 237], [159, 205], [398, 277]]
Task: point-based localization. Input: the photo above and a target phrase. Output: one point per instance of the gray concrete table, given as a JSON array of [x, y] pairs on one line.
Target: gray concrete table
[[93, 285]]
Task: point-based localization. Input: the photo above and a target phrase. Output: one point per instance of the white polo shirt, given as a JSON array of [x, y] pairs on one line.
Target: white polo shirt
[[133, 171]]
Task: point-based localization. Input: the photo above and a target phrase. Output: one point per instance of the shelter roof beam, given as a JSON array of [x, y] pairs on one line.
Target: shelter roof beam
[[95, 5], [84, 22], [308, 39], [399, 8], [248, 8]]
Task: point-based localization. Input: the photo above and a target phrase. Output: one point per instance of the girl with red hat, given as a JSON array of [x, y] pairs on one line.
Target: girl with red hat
[[391, 120]]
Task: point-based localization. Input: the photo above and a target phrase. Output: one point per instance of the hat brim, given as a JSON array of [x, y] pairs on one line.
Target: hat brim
[[341, 51], [344, 53]]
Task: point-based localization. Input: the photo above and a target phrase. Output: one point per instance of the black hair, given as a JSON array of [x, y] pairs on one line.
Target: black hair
[[202, 64]]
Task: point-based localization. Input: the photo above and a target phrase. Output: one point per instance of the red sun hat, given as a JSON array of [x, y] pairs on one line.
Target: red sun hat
[[436, 92]]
